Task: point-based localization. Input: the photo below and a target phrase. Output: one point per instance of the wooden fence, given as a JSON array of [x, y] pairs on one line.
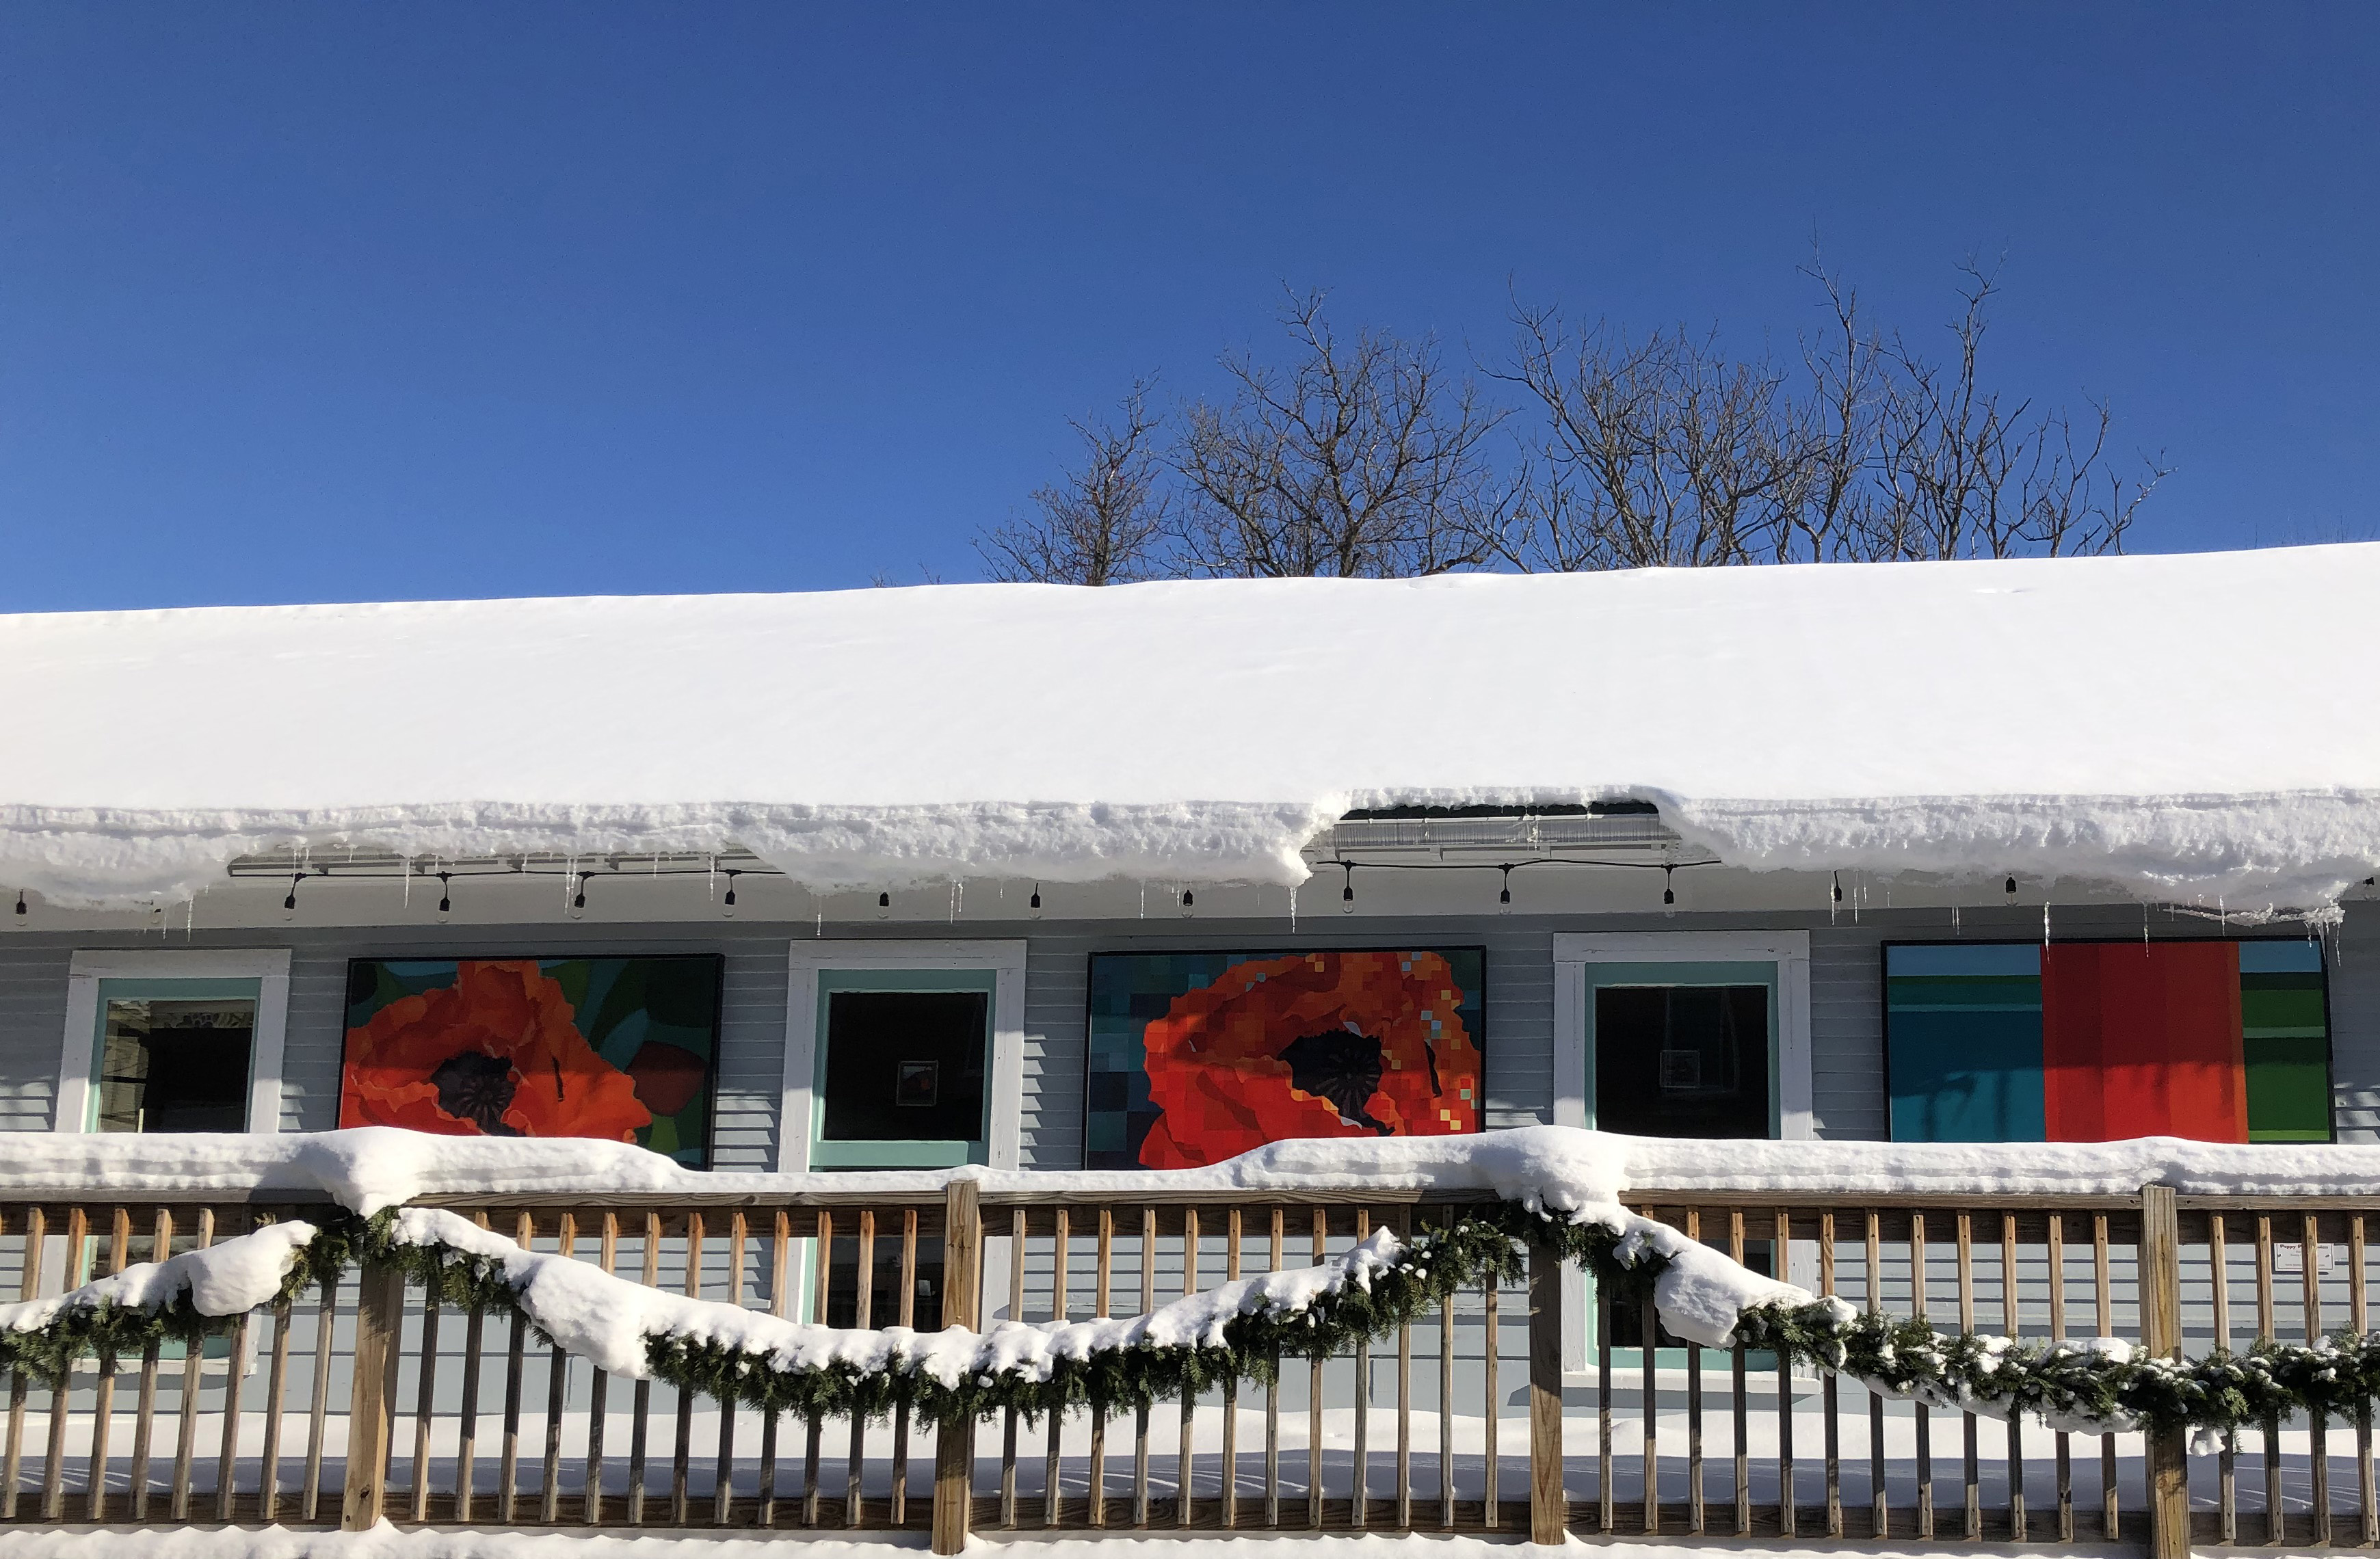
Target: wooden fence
[[365, 1400]]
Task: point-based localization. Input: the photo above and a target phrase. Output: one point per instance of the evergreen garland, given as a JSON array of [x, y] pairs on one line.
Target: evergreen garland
[[2087, 1386]]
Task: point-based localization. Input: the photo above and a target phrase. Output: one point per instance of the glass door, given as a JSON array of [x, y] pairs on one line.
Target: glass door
[[1681, 1049]]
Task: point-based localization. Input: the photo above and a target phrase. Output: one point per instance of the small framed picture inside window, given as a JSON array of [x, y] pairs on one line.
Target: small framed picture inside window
[[917, 1085]]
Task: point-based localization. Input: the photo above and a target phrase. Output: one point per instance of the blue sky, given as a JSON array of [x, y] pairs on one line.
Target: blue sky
[[347, 302]]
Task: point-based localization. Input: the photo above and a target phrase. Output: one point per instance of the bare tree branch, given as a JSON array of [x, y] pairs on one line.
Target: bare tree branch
[[1358, 459], [1101, 522]]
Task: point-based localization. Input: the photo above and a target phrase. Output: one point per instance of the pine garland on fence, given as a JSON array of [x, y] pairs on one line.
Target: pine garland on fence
[[2087, 1386]]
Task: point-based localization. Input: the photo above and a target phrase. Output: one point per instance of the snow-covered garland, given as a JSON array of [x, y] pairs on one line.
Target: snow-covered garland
[[1238, 1331]]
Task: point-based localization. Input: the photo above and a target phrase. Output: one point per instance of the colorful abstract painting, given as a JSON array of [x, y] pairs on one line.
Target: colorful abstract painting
[[620, 1048], [1195, 1057], [2089, 1042]]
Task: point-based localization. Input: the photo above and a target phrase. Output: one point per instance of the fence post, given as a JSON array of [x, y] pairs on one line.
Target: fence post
[[2169, 1471], [379, 1319], [954, 1443], [1549, 1505]]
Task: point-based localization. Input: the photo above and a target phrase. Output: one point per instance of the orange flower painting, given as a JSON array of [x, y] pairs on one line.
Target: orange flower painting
[[501, 1048], [1313, 1045]]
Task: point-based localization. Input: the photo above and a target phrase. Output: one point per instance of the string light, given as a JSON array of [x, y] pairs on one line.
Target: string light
[[883, 906], [1668, 894], [727, 903], [21, 900], [289, 905], [1034, 903], [1839, 887], [578, 894], [2011, 886], [445, 895], [1505, 898], [1185, 905], [1347, 894]]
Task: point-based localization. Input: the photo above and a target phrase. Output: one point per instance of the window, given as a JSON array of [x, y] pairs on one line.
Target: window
[[904, 1067], [1686, 1033], [903, 1055], [175, 1064], [172, 1041]]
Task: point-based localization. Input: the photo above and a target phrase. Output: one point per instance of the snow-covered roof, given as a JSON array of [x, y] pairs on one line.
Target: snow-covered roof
[[2183, 727]]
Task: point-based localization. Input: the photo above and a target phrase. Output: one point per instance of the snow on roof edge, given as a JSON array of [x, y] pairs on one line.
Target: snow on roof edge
[[2251, 857]]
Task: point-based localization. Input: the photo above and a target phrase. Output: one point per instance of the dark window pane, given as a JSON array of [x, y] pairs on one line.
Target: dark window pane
[[884, 1285], [1682, 1060], [175, 1066], [906, 1066]]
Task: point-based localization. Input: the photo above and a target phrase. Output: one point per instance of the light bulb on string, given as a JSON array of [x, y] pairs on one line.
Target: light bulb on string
[[1347, 893], [1839, 887], [727, 903], [2011, 886], [21, 905], [577, 895], [1187, 902], [883, 906], [1669, 893], [445, 895], [1505, 898], [289, 905], [1034, 904]]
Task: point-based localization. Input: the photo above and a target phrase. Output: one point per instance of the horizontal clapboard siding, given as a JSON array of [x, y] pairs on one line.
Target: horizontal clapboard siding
[[1846, 999]]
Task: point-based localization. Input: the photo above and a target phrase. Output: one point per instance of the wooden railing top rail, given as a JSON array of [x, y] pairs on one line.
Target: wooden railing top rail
[[1651, 1199]]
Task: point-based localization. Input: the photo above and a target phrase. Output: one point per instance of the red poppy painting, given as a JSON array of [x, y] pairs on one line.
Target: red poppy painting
[[617, 1049], [1307, 1044]]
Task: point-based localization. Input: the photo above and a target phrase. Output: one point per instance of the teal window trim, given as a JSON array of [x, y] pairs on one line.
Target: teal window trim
[[201, 988], [897, 1155]]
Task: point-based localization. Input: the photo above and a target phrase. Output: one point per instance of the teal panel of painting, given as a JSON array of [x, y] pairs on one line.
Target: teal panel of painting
[[1962, 1043]]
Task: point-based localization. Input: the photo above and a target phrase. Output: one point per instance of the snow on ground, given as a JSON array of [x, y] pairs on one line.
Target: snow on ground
[[1564, 1169], [387, 1542], [1969, 719]]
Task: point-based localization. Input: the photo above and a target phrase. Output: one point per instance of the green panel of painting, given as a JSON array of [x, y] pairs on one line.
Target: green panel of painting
[[2285, 1035], [620, 1048]]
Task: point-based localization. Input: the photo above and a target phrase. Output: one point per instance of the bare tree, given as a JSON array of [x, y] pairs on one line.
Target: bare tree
[[1362, 458], [1664, 452], [1102, 523], [1653, 452], [1369, 458], [1960, 475]]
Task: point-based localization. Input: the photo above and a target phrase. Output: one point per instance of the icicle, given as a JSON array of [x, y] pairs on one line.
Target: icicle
[[1143, 901], [2145, 929], [1292, 908], [409, 882], [820, 933], [2045, 923], [1954, 920]]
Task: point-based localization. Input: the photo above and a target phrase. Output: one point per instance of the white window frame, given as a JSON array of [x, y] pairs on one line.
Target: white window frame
[[269, 967], [809, 959], [1575, 951]]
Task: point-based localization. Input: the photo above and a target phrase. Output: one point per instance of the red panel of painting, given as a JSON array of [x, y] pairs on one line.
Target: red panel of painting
[[2143, 1040]]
